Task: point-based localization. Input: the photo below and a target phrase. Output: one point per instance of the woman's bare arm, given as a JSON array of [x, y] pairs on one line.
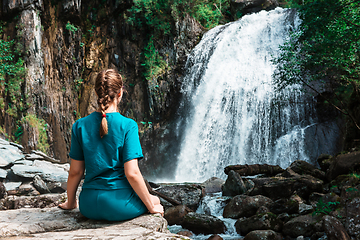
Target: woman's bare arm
[[76, 172], [137, 182]]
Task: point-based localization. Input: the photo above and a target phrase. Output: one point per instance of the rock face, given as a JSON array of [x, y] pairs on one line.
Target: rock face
[[342, 164], [54, 223], [64, 44], [251, 6]]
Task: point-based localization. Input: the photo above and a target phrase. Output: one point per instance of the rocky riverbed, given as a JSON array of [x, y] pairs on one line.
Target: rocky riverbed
[[265, 201]]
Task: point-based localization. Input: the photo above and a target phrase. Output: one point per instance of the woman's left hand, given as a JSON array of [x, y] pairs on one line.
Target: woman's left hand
[[67, 206]]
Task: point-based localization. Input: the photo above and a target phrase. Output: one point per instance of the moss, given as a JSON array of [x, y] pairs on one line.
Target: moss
[[40, 127]]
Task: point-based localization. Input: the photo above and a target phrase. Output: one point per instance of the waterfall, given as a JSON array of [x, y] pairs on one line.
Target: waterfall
[[234, 115]]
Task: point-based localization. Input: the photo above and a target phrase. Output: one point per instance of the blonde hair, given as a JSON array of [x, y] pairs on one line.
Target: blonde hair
[[108, 85]]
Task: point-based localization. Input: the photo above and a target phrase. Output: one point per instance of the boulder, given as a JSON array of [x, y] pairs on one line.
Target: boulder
[[284, 206], [267, 221], [324, 161], [213, 185], [301, 226], [175, 215], [305, 168], [187, 194], [202, 223], [307, 184], [215, 237], [334, 229], [245, 206], [343, 164], [40, 185], [263, 235], [254, 169], [234, 185], [279, 188], [9, 154], [352, 220], [55, 223]]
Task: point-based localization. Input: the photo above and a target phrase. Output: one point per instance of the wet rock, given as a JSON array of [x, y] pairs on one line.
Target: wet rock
[[301, 226], [305, 168], [234, 185], [324, 161], [9, 154], [334, 229], [40, 185], [213, 185], [215, 237], [55, 223], [245, 206], [284, 206], [343, 164], [187, 194], [175, 215], [279, 188], [254, 169], [267, 221], [352, 220], [202, 223], [263, 235]]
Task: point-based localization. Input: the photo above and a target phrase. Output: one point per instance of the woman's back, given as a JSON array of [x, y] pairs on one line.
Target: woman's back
[[105, 157]]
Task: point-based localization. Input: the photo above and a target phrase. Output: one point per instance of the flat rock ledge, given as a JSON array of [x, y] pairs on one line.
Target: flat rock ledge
[[54, 223]]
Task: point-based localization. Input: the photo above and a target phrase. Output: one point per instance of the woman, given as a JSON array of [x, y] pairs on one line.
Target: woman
[[114, 188]]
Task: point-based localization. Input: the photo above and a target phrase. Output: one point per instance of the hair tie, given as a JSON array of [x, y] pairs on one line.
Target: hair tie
[[104, 115]]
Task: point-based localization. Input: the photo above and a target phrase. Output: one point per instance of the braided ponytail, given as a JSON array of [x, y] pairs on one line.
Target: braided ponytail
[[108, 84]]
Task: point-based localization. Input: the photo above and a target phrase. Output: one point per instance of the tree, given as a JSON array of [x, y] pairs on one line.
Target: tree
[[325, 49]]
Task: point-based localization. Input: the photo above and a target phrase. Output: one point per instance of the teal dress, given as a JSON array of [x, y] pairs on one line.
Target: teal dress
[[106, 193]]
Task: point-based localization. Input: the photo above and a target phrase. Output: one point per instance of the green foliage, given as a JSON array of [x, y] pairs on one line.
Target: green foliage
[[154, 64], [40, 127], [78, 83], [71, 28], [12, 74], [325, 49], [324, 208]]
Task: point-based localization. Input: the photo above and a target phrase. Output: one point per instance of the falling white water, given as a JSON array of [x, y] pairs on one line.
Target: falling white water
[[235, 116]]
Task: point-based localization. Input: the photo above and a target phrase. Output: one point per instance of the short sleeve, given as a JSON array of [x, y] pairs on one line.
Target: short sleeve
[[76, 151], [132, 148]]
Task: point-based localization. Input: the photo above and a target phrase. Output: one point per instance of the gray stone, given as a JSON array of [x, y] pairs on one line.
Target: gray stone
[[46, 157], [267, 221], [9, 154], [3, 173], [213, 185], [12, 185], [234, 184], [352, 223], [202, 223], [55, 223], [57, 187], [245, 206], [40, 185], [4, 142], [300, 226], [305, 208], [48, 171], [334, 229], [34, 156]]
